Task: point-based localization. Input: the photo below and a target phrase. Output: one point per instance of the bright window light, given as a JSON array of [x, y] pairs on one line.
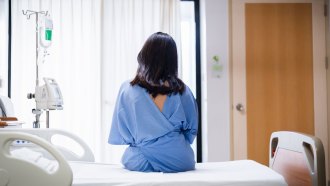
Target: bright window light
[[188, 49]]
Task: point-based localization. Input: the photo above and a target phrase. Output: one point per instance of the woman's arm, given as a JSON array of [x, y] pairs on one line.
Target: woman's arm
[[191, 111]]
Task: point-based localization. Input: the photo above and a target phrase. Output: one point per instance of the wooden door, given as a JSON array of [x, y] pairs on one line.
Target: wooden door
[[278, 76]]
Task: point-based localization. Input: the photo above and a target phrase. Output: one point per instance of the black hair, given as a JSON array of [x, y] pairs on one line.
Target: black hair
[[158, 66]]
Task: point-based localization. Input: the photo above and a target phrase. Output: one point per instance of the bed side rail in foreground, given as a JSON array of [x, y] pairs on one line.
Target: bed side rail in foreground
[[48, 134], [298, 157], [18, 172]]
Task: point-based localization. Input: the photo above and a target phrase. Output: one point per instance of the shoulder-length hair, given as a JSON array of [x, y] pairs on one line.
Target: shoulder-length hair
[[158, 66]]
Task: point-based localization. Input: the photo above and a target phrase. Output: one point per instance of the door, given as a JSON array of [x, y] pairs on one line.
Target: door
[[279, 76]]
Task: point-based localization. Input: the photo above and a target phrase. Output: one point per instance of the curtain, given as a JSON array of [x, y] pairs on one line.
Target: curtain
[[94, 49], [126, 26], [73, 61]]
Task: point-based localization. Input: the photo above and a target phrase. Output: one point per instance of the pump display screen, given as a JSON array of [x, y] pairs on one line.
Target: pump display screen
[[56, 92]]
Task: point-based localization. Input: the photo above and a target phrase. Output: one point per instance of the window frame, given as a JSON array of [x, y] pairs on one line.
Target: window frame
[[198, 79]]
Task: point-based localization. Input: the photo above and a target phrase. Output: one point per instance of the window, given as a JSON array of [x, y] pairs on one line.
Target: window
[[188, 43], [191, 62], [75, 57]]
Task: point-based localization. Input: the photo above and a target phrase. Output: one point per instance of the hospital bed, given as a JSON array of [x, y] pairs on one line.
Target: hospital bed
[[82, 170], [300, 158]]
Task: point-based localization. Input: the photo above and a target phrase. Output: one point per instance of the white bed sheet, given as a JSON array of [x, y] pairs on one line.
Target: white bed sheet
[[231, 173]]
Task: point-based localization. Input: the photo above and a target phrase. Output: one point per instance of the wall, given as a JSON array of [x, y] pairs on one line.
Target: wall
[[3, 47], [215, 80]]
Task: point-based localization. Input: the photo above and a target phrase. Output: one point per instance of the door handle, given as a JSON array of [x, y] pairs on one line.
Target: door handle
[[239, 107]]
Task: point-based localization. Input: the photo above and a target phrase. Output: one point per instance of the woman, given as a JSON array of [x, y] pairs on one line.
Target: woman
[[156, 113]]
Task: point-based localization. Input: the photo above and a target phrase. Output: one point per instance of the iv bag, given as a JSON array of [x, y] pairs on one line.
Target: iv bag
[[46, 29]]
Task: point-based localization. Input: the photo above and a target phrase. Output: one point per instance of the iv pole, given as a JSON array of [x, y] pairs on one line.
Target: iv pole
[[36, 111]]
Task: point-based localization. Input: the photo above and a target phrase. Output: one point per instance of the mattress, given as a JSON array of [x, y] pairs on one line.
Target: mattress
[[231, 173]]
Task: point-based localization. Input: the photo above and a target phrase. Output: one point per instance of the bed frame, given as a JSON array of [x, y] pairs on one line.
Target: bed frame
[[13, 170], [41, 141], [298, 157], [86, 153]]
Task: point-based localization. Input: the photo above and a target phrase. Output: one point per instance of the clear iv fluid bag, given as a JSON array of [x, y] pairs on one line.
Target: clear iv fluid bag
[[46, 29]]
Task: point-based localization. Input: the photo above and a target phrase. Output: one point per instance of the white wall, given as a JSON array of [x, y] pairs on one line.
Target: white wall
[[215, 84], [3, 47]]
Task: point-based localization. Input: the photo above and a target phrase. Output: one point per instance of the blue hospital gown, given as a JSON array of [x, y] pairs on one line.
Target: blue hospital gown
[[158, 141]]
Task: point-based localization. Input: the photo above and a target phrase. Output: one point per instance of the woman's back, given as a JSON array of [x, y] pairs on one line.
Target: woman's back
[[159, 131], [159, 101]]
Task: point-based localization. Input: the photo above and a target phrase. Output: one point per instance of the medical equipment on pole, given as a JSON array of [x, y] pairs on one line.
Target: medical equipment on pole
[[46, 29], [47, 96]]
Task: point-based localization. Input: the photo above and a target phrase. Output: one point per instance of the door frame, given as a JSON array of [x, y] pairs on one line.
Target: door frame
[[238, 74], [327, 33]]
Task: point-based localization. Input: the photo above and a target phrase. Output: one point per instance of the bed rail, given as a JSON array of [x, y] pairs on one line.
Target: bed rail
[[13, 171], [48, 134], [298, 157]]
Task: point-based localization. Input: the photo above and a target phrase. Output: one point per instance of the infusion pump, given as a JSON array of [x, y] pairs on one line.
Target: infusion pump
[[49, 96]]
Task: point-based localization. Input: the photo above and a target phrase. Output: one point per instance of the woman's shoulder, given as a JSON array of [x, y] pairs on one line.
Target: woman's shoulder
[[124, 85], [128, 90], [187, 97], [187, 92]]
